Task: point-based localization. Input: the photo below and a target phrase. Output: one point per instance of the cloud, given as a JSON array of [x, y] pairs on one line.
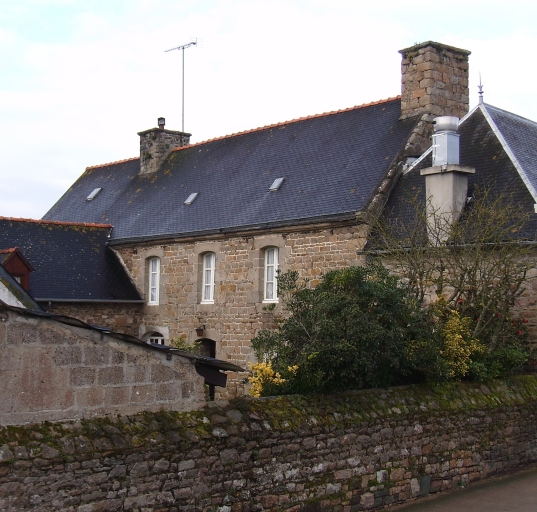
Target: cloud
[[80, 79]]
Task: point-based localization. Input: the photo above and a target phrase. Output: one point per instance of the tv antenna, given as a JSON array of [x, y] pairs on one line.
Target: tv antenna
[[183, 48]]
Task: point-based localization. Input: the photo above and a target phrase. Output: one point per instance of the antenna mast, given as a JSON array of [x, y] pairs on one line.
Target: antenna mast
[[183, 47]]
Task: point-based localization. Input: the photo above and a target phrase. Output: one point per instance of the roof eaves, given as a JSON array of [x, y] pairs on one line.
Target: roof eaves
[[509, 151], [339, 217]]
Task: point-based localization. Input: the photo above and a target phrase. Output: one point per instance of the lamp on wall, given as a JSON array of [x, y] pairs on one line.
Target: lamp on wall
[[199, 331]]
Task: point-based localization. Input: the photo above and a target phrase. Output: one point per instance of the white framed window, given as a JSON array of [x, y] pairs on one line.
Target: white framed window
[[155, 338], [154, 280], [270, 273], [207, 289]]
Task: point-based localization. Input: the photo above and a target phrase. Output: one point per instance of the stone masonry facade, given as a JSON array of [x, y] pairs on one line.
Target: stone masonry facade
[[124, 318], [356, 451], [238, 312], [50, 371]]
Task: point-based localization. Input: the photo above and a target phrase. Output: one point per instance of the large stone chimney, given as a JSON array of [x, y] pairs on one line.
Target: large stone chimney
[[434, 83], [156, 144]]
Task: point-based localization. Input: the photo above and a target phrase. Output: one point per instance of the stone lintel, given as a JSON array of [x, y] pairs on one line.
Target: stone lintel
[[441, 169]]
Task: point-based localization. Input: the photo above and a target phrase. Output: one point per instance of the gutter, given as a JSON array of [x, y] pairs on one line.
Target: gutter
[[273, 227]]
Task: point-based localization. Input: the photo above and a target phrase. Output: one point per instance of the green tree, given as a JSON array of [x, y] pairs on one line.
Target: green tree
[[349, 332]]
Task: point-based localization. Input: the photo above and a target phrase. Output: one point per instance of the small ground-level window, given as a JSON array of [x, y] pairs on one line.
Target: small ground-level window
[[155, 338]]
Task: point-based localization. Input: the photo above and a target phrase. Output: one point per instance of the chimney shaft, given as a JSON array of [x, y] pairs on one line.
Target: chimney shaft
[[156, 144], [434, 80], [446, 182]]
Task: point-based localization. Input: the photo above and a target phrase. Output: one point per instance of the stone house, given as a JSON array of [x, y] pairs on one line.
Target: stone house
[[202, 228]]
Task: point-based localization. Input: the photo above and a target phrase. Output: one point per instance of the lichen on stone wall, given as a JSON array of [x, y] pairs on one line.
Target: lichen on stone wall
[[363, 449]]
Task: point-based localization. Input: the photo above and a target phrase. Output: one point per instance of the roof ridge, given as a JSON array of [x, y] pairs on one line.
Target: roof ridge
[[113, 163], [11, 249], [57, 222], [260, 128], [296, 120]]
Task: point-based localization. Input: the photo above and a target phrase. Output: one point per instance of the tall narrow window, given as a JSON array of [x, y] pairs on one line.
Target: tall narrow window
[[271, 268], [154, 280], [207, 292]]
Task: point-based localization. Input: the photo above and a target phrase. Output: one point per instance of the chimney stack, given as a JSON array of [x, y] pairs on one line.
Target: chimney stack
[[157, 143], [434, 82], [446, 182]]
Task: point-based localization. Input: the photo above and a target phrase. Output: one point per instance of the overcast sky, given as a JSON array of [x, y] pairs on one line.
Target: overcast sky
[[80, 78]]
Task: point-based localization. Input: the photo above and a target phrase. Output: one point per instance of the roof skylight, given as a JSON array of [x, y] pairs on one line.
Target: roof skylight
[[93, 194], [191, 198], [276, 184]]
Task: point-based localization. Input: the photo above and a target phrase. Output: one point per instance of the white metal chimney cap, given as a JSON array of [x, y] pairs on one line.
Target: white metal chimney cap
[[446, 124]]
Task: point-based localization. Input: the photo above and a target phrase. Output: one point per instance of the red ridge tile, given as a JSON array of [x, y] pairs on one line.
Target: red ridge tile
[[58, 222]]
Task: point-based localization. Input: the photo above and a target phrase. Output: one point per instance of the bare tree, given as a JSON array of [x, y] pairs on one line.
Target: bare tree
[[477, 266]]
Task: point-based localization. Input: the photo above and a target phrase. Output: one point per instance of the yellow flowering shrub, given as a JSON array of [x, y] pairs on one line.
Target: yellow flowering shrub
[[262, 374], [459, 346]]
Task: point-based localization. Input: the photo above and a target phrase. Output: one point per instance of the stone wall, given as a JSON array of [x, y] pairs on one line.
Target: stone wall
[[118, 317], [51, 371], [238, 312], [356, 451]]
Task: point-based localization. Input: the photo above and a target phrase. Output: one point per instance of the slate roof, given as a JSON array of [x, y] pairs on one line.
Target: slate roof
[[71, 260], [332, 164], [501, 147]]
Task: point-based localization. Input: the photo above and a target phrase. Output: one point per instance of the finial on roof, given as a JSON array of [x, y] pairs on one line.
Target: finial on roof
[[480, 87]]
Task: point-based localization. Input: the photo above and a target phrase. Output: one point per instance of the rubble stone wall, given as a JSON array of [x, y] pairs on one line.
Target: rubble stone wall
[[355, 451]]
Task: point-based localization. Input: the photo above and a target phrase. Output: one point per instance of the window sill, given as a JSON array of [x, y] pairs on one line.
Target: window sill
[[271, 301], [207, 302]]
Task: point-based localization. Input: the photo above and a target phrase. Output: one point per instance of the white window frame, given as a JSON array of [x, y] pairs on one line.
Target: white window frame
[[153, 267], [270, 272], [208, 271], [156, 338]]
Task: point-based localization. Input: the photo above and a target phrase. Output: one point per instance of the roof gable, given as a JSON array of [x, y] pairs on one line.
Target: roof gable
[[483, 148], [332, 165], [14, 253], [518, 136]]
